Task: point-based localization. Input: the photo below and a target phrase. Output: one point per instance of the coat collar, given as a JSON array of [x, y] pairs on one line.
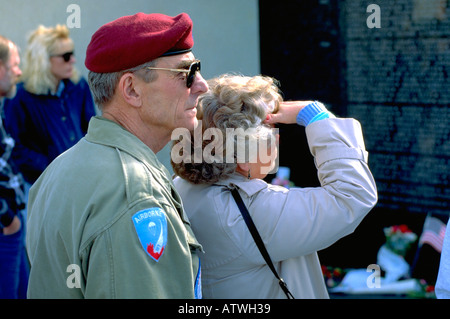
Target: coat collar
[[106, 132], [248, 186]]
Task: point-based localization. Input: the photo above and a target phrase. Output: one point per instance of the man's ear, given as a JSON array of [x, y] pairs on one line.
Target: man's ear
[[129, 90]]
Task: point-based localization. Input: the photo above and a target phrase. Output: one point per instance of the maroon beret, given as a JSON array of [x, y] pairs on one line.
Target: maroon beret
[[133, 40]]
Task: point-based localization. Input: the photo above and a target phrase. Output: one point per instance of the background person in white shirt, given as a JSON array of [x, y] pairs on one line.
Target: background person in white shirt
[[442, 288]]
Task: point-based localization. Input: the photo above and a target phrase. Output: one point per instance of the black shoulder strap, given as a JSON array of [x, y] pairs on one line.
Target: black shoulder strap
[[251, 226]]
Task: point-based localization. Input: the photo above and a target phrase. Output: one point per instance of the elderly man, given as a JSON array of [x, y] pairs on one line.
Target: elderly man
[[105, 220], [13, 262]]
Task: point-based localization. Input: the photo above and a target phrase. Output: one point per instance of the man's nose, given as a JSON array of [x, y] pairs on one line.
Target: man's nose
[[199, 84]]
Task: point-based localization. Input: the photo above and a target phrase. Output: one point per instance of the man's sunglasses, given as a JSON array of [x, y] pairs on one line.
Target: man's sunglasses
[[191, 72], [66, 56]]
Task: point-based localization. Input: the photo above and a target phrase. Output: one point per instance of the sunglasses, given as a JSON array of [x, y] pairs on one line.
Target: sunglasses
[[191, 72], [66, 56]]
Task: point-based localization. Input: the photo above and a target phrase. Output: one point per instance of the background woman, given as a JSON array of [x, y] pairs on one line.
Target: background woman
[[53, 105], [294, 223]]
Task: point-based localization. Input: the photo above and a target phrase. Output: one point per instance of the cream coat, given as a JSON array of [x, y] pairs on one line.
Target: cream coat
[[294, 223]]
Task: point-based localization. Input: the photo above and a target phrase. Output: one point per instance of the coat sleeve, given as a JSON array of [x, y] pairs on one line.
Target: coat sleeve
[[116, 265], [300, 221], [443, 279]]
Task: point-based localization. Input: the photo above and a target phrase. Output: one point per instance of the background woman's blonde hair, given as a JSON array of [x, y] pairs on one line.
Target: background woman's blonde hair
[[42, 43], [232, 101]]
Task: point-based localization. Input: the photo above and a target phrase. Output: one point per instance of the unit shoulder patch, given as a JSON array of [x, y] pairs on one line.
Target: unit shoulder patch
[[151, 228]]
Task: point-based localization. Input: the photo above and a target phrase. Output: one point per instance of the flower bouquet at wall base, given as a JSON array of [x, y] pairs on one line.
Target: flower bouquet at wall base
[[399, 239], [390, 259]]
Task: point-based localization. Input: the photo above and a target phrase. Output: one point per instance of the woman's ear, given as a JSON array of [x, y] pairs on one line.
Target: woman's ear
[[129, 89], [243, 168]]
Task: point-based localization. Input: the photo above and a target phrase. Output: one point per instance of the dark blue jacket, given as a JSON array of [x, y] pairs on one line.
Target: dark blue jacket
[[44, 126]]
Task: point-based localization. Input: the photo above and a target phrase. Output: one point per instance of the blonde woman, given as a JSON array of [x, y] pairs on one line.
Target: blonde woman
[[294, 223], [53, 105]]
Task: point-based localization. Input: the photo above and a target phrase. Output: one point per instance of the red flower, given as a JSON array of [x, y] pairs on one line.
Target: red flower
[[337, 272], [404, 228], [429, 288]]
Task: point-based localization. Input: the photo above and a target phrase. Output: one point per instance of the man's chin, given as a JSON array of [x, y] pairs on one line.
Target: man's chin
[[189, 123], [11, 93]]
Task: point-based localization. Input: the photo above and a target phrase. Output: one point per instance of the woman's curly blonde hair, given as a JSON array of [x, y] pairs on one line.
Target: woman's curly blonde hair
[[232, 101]]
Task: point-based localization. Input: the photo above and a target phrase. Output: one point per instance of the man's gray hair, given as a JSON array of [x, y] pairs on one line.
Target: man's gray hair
[[103, 85]]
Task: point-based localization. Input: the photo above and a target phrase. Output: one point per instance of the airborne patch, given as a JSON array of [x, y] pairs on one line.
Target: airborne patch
[[151, 228]]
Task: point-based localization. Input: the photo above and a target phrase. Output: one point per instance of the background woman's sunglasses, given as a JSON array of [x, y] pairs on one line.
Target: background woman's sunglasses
[[191, 72], [66, 56]]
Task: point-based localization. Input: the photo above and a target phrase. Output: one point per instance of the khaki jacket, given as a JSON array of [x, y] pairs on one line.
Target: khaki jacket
[[82, 240], [294, 224]]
